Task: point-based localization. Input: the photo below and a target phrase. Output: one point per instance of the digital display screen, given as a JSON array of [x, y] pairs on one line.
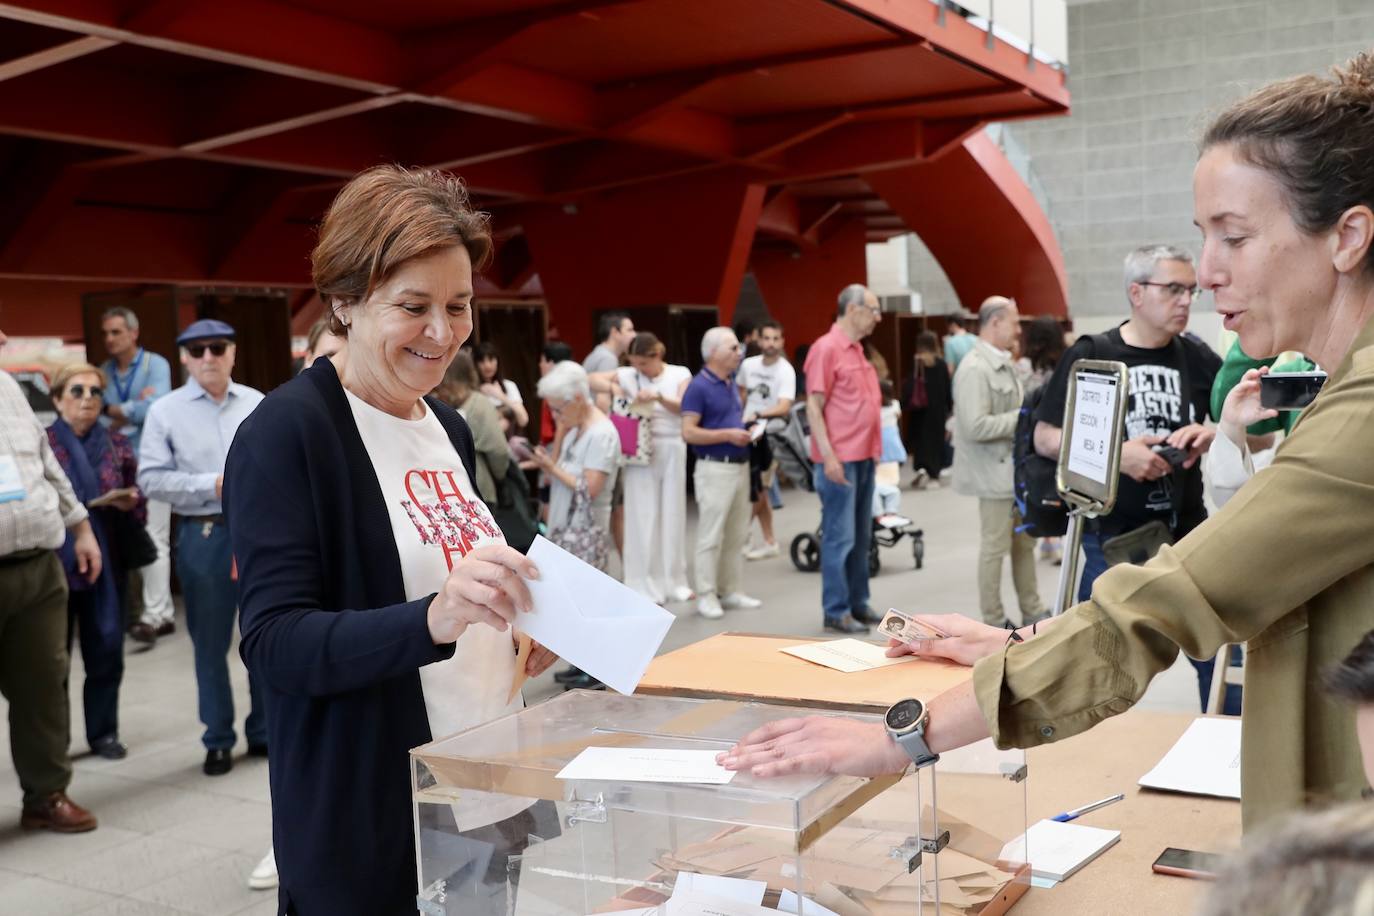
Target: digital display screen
[[1093, 409]]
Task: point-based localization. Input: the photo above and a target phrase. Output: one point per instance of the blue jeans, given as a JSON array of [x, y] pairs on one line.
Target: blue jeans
[[775, 493], [846, 527], [203, 567], [1095, 564]]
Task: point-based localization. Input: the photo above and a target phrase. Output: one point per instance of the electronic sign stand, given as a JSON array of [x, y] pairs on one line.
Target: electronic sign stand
[[1089, 456]]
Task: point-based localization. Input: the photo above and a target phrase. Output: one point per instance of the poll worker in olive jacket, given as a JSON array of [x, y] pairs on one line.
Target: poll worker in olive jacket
[[1285, 203]]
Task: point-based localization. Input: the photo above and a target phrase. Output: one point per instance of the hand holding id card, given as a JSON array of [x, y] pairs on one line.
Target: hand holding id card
[[906, 628]]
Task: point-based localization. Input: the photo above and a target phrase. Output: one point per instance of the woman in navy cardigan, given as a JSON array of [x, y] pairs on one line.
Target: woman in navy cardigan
[[375, 590]]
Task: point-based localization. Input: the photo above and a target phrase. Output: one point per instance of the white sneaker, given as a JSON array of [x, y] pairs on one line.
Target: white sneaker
[[710, 608], [681, 593], [264, 877], [738, 601], [762, 553]]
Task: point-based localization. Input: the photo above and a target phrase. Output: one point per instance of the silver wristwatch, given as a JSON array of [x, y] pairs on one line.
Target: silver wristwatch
[[906, 722]]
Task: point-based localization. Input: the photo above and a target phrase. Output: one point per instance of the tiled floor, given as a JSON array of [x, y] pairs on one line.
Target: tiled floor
[[173, 841]]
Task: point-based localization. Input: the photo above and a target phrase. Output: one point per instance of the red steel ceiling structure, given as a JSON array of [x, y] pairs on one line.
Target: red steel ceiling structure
[[630, 151]]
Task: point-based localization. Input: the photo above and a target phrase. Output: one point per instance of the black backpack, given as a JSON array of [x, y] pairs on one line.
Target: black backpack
[[1043, 513], [1036, 488]]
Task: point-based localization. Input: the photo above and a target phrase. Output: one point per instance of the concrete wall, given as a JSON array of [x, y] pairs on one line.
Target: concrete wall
[[1146, 76]]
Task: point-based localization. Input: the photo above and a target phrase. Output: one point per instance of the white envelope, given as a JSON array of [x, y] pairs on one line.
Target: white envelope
[[590, 620]]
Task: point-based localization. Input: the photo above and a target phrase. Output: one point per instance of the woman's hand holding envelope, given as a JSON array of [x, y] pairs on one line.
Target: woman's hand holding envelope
[[486, 587]]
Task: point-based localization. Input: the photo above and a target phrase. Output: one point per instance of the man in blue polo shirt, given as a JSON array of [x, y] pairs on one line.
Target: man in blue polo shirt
[[713, 425]]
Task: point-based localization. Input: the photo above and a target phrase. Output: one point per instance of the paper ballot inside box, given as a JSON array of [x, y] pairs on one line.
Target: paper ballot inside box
[[590, 620]]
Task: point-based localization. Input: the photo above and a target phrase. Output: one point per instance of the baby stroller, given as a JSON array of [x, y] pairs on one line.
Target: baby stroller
[[792, 449]]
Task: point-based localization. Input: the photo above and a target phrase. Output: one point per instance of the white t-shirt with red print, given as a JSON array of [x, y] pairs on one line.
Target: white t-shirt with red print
[[437, 518]]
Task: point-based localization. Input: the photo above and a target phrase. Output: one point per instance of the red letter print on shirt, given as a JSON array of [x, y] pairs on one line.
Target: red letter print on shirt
[[444, 517]]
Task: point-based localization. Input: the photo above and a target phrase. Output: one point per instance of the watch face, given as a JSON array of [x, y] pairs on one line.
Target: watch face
[[904, 715]]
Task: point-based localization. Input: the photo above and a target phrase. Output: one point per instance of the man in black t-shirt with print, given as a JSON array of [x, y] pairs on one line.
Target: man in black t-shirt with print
[[1161, 285]]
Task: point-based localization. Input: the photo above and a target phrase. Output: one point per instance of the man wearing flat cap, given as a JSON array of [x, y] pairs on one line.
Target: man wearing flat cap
[[181, 460]]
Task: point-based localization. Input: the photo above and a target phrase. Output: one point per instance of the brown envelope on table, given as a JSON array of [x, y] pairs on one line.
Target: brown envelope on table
[[522, 656]]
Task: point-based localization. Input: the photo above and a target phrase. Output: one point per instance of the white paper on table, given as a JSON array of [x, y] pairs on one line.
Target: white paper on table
[[1204, 761], [590, 620], [740, 889], [788, 902], [1057, 850], [1044, 883], [647, 764], [847, 655], [697, 904]]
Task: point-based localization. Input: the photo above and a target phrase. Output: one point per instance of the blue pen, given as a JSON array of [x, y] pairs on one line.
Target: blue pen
[[1079, 812]]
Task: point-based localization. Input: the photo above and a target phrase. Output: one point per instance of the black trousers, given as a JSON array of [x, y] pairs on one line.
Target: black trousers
[[102, 653]]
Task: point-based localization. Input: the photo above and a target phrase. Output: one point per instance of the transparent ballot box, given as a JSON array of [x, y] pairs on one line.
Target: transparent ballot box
[[497, 832]]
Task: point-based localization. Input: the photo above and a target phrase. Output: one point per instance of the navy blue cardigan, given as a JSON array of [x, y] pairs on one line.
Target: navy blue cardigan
[[327, 632]]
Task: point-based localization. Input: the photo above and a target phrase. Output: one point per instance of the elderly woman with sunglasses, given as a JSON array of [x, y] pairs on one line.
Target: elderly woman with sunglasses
[[99, 463]]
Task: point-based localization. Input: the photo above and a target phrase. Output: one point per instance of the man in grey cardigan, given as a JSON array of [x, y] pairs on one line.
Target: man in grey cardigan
[[987, 399]]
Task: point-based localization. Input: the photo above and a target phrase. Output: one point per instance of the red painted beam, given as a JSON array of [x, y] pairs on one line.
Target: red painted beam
[[51, 57], [982, 224]]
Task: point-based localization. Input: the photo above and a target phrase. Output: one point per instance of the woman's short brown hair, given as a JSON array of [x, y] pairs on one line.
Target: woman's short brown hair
[[1315, 135], [646, 344], [384, 217], [69, 372]]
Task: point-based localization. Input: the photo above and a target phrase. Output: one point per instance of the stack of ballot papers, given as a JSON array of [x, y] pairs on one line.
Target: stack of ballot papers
[[1204, 761], [590, 620], [847, 655], [1057, 850]]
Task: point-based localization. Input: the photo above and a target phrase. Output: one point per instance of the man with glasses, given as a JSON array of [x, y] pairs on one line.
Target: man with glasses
[[1170, 379], [181, 461], [137, 379], [843, 406]]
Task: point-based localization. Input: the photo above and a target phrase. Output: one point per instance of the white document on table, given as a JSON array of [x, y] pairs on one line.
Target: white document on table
[[590, 620], [696, 904], [738, 889], [847, 655], [1057, 850], [1204, 761], [647, 764]]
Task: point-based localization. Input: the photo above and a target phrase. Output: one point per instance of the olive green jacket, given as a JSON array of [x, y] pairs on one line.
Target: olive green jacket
[[1287, 566]]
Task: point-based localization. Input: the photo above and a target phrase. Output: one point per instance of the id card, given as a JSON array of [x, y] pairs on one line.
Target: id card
[[11, 484], [907, 628]]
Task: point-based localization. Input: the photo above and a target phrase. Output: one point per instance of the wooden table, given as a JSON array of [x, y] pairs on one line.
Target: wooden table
[[1103, 761]]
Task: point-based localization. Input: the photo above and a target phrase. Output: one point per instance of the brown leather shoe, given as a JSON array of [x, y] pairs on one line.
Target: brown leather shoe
[[166, 629], [142, 633], [59, 814]]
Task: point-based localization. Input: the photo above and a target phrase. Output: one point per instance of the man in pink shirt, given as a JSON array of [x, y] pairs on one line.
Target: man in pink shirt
[[843, 404]]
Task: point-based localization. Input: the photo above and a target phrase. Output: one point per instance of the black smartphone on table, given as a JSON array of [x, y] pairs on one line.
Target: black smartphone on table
[[1187, 863], [1290, 390]]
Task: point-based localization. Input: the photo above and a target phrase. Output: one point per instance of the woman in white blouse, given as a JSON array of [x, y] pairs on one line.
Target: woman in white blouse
[[501, 391], [656, 493]]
